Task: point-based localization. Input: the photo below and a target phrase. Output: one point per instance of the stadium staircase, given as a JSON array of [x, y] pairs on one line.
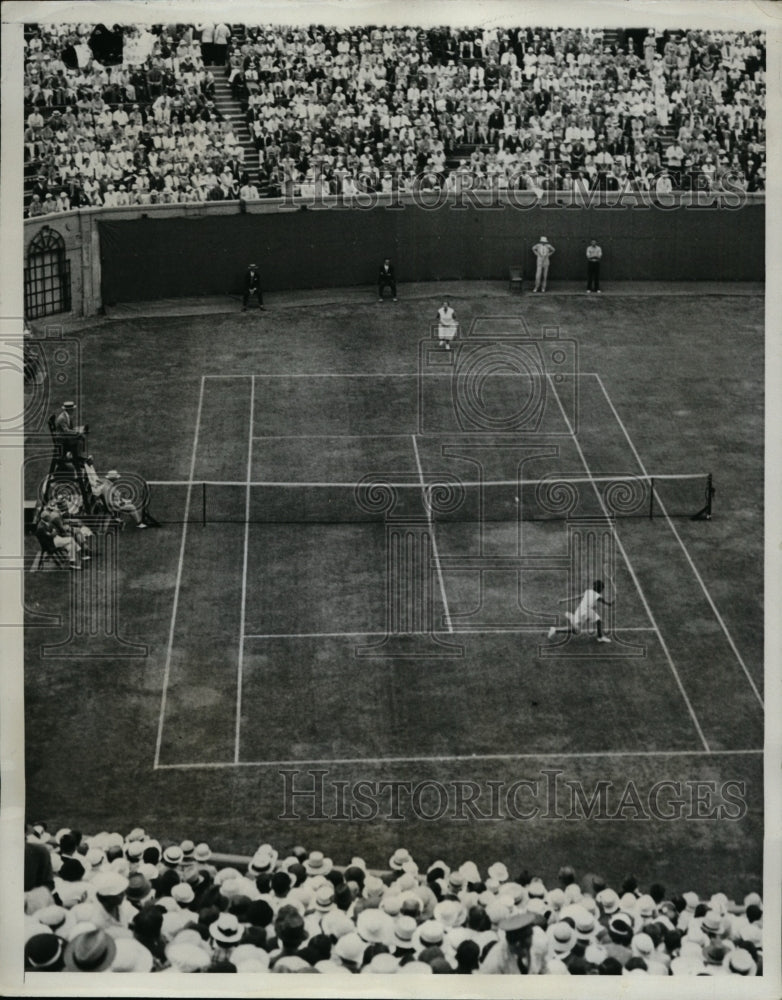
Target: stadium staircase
[[231, 109], [463, 151]]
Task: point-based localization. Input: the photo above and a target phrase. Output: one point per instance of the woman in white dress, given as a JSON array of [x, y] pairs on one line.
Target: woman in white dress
[[447, 326]]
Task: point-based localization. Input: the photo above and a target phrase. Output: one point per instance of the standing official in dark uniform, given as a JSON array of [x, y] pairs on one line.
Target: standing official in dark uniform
[[386, 279], [594, 255], [252, 286]]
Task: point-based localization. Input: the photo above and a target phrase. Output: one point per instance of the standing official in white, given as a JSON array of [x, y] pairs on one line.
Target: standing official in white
[[543, 251]]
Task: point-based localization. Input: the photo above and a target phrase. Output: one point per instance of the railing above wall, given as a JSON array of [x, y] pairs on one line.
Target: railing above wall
[[430, 200]]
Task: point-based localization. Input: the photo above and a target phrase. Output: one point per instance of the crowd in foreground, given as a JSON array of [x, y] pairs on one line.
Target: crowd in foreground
[[129, 117], [133, 904]]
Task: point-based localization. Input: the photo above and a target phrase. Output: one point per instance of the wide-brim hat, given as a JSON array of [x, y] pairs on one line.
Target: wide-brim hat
[[183, 893], [391, 903], [264, 860], [399, 858], [336, 923], [498, 871], [188, 849], [226, 929], [563, 938], [109, 883], [646, 906], [202, 852], [430, 933], [43, 951], [740, 962], [186, 957], [52, 916], [350, 948], [469, 870], [382, 964], [138, 887], [375, 927], [131, 956], [712, 922], [608, 900], [318, 864], [450, 913], [404, 929], [134, 849], [324, 899], [92, 951]]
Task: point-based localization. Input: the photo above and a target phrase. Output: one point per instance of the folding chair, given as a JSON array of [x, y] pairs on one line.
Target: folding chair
[[49, 552], [515, 278]]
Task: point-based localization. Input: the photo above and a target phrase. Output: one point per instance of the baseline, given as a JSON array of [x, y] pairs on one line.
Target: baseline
[[457, 758]]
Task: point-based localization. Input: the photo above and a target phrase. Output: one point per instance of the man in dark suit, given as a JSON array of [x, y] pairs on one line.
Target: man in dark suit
[[252, 286], [68, 435], [386, 279]]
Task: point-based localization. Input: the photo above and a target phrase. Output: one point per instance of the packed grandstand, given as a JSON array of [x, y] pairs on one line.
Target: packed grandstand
[[168, 114], [133, 904]]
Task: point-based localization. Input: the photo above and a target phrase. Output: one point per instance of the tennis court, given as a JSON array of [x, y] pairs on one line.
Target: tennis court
[[270, 598], [312, 597]]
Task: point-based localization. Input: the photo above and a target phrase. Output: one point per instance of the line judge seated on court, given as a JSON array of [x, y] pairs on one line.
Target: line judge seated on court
[[252, 286], [386, 279], [105, 488]]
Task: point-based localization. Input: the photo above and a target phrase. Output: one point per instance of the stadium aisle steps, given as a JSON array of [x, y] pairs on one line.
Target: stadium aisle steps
[[463, 151], [230, 109]]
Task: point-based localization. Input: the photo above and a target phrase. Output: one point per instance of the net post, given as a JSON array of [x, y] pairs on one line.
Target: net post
[[203, 504], [651, 498]]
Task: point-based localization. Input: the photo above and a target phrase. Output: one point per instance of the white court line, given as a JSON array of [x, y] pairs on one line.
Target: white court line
[[413, 374], [318, 437], [243, 612], [456, 631], [635, 578], [167, 670], [434, 480], [684, 549], [434, 540], [460, 758]]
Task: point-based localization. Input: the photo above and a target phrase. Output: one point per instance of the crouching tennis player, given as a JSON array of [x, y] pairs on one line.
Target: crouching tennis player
[[586, 614]]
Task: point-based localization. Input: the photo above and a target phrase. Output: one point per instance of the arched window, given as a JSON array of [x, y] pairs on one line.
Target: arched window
[[47, 276]]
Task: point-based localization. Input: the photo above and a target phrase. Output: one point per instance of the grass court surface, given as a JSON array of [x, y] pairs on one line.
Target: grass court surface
[[253, 628]]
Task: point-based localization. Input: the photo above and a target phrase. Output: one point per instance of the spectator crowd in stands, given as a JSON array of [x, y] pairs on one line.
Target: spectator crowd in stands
[[128, 117], [132, 904]]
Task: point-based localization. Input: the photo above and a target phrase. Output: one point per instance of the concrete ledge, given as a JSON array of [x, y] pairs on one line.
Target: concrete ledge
[[426, 290]]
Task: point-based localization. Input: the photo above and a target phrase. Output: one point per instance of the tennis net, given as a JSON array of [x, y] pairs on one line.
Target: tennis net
[[437, 498]]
